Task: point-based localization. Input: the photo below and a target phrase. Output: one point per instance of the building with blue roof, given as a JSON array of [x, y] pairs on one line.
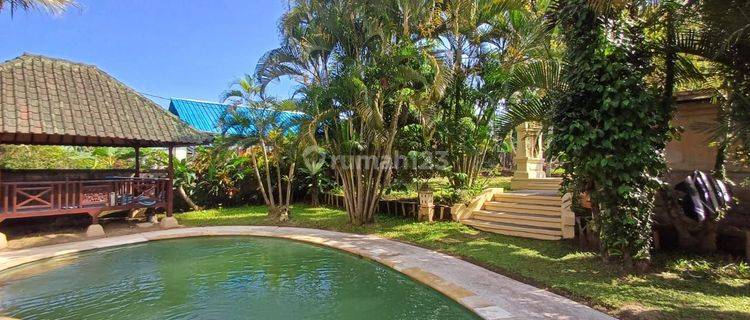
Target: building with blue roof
[[207, 116]]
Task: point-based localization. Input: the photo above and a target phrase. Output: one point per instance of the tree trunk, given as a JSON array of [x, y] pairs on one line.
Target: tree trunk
[[314, 201], [260, 180], [720, 170], [708, 243], [359, 188], [186, 198]]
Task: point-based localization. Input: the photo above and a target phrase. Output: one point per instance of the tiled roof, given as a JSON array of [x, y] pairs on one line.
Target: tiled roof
[[206, 116], [53, 101]]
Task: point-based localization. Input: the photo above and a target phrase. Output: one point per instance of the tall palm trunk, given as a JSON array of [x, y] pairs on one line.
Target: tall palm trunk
[[314, 194], [278, 206], [364, 176]]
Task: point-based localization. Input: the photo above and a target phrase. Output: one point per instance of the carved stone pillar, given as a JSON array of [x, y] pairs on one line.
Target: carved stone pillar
[[529, 157], [426, 204], [529, 174]]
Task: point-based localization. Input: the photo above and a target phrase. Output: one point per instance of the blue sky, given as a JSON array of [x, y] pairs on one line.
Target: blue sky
[[170, 48]]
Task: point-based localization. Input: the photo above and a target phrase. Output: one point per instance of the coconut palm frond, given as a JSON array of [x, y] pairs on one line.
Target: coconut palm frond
[[702, 44], [231, 94], [531, 109], [52, 6], [241, 90], [278, 63], [544, 74], [687, 71]]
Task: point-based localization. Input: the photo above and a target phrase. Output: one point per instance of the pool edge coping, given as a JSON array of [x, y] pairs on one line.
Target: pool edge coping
[[488, 302]]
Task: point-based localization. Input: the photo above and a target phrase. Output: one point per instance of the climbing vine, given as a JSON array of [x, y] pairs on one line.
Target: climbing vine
[[608, 132]]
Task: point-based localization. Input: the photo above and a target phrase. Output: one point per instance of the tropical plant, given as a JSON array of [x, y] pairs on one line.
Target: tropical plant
[[367, 76], [414, 161], [532, 86], [306, 51], [305, 56], [483, 42], [609, 128], [184, 180], [109, 157], [68, 157], [46, 157], [254, 128], [531, 89], [223, 177], [313, 170], [715, 33]]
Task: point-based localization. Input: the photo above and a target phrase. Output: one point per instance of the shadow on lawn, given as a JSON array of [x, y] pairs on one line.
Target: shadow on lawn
[[696, 313], [565, 269], [713, 287]]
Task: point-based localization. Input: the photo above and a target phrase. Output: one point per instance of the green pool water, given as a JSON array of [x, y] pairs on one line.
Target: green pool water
[[218, 278]]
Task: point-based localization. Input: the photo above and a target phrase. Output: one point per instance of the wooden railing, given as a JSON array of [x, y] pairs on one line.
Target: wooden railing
[[48, 197]]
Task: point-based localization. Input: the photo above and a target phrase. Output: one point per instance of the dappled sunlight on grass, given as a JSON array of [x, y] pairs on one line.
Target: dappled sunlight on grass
[[665, 293]]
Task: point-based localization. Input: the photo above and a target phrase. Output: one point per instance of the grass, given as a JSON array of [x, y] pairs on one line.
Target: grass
[[678, 287]]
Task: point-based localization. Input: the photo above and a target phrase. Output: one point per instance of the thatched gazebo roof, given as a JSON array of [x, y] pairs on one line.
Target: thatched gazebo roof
[[57, 102]]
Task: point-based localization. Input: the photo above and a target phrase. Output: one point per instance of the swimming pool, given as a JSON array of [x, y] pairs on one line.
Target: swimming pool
[[218, 278]]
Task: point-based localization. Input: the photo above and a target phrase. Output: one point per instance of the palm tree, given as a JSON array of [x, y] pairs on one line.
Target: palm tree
[[53, 6], [305, 53], [530, 90], [254, 127], [305, 56], [358, 85], [482, 41]]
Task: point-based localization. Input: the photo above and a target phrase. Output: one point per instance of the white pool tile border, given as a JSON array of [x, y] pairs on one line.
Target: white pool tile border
[[488, 294]]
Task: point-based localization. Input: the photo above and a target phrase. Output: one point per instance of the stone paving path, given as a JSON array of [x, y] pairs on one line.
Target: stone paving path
[[490, 295]]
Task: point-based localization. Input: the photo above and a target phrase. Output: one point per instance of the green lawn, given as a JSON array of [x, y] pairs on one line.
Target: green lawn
[[678, 288]]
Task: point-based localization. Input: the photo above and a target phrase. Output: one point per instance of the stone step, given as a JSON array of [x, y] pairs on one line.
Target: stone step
[[547, 184], [522, 208], [538, 200], [515, 230], [518, 218], [516, 227]]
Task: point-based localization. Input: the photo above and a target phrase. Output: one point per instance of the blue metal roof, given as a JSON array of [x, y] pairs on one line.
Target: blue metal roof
[[206, 116]]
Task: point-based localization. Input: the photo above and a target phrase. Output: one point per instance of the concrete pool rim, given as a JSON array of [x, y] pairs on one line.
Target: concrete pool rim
[[484, 292]]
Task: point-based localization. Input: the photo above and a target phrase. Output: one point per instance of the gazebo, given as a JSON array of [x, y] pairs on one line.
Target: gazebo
[[47, 101]]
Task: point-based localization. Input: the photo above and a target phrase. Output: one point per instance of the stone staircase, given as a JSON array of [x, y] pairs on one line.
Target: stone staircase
[[537, 214], [518, 183]]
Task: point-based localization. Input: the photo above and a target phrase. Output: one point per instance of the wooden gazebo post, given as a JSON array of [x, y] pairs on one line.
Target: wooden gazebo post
[[170, 176], [137, 162], [3, 238], [169, 221]]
